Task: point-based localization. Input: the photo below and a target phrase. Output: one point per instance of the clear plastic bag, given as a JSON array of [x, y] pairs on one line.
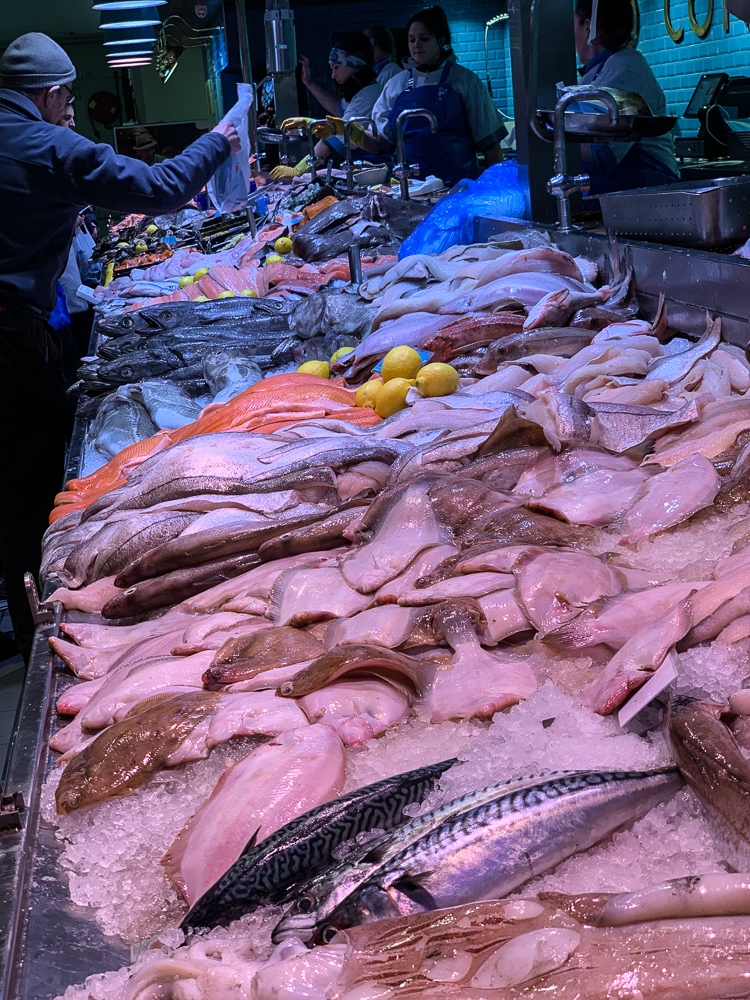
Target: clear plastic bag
[[228, 188], [496, 194]]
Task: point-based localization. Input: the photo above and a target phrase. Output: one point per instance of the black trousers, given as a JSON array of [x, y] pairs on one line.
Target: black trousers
[[33, 427]]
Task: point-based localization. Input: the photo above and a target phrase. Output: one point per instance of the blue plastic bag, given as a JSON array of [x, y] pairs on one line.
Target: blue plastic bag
[[496, 194]]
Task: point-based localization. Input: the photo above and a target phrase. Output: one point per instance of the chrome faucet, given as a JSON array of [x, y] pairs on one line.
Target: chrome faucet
[[404, 170], [348, 147], [311, 159], [563, 184]]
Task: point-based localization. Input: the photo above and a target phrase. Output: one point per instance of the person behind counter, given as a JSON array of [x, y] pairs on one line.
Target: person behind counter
[[383, 45], [609, 61], [357, 90], [468, 121], [46, 174]]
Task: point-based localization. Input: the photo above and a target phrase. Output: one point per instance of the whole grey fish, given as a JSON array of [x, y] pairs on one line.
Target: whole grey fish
[[175, 315], [317, 897], [267, 870], [227, 366], [166, 402], [711, 762], [622, 426], [490, 850], [559, 341], [120, 422], [675, 367]]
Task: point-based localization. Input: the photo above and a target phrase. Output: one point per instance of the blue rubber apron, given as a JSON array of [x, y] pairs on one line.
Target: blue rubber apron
[[449, 152]]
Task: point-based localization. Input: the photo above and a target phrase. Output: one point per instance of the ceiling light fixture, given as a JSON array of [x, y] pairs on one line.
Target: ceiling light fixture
[[141, 18], [130, 36]]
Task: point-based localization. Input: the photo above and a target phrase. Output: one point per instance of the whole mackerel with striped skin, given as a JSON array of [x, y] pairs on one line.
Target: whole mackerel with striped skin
[[304, 846], [317, 897], [488, 851]]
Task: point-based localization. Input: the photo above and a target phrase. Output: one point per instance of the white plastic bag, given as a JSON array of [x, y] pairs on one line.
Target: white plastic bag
[[228, 188]]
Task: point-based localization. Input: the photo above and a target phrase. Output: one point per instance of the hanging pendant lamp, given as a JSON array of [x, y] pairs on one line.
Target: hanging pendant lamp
[[127, 4], [141, 18], [134, 61], [129, 36], [134, 52]]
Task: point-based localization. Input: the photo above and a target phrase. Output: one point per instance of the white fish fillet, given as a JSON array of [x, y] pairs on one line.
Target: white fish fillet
[[466, 585], [595, 498], [477, 684], [302, 596], [357, 709], [672, 497], [386, 625], [274, 784], [93, 597]]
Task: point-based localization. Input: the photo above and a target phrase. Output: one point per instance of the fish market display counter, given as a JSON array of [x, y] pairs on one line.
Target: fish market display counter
[[46, 941]]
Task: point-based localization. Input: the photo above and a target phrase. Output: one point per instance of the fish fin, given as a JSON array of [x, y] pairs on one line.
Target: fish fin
[[412, 887], [276, 596], [250, 845]]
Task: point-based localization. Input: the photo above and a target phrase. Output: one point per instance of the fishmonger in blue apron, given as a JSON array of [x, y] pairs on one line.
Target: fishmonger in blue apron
[[468, 122]]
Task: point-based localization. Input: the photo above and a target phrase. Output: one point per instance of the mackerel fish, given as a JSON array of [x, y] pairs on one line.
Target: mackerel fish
[[491, 849], [267, 870], [151, 319]]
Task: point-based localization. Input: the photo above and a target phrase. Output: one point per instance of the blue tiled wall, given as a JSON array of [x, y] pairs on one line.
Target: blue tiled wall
[[315, 24], [678, 67]]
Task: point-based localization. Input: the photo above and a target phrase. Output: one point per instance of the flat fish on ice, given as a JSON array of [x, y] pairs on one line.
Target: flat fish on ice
[[274, 784]]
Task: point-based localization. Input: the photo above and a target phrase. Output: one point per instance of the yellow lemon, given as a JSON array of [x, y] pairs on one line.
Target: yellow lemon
[[249, 293], [150, 230], [401, 362], [225, 295], [123, 244], [186, 280], [141, 247], [367, 394], [392, 397], [200, 298], [200, 273], [321, 368], [274, 258], [437, 379], [283, 245], [340, 353]]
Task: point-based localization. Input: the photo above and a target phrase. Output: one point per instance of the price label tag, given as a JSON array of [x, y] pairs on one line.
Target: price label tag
[[661, 679]]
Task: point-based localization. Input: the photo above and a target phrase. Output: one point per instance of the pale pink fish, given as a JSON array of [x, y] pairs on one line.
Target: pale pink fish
[[738, 629], [303, 596], [408, 525], [717, 430], [528, 289], [672, 497], [547, 259], [358, 710], [300, 770], [91, 663], [385, 625], [626, 392], [595, 498], [424, 564], [636, 661], [92, 636], [618, 331], [121, 691], [205, 625], [257, 582], [549, 469], [361, 476], [499, 560], [504, 616], [476, 683], [216, 639], [240, 714], [553, 587], [269, 680], [466, 585], [91, 598], [77, 696], [612, 622], [627, 363]]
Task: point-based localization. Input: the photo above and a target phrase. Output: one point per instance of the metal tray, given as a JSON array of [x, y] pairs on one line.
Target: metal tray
[[696, 214], [590, 127]]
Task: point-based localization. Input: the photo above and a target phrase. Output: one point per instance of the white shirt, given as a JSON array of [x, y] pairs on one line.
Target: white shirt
[[484, 121], [362, 103], [388, 72], [628, 70]]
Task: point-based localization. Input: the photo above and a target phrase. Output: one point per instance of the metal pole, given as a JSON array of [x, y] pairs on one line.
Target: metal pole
[[247, 77]]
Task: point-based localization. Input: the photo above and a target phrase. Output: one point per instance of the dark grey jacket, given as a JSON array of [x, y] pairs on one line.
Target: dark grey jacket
[[48, 172]]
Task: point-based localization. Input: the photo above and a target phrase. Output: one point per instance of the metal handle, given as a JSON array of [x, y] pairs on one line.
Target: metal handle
[[314, 163], [355, 264], [348, 147], [42, 614], [403, 170]]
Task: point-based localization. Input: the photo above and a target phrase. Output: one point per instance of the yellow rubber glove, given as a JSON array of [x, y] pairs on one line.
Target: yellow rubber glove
[[282, 173], [296, 123], [356, 132]]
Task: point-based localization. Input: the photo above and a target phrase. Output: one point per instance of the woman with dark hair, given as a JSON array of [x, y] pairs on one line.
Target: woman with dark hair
[[603, 43], [467, 120], [357, 90]]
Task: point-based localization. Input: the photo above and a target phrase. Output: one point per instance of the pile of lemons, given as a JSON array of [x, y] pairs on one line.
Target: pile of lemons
[[402, 368]]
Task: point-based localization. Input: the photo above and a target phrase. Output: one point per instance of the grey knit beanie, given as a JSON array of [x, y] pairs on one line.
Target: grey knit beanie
[[33, 62]]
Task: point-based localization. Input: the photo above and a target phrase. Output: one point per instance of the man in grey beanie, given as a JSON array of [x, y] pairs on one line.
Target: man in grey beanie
[[46, 174]]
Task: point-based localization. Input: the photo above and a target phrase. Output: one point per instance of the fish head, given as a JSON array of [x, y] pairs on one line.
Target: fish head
[[366, 905], [302, 917]]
